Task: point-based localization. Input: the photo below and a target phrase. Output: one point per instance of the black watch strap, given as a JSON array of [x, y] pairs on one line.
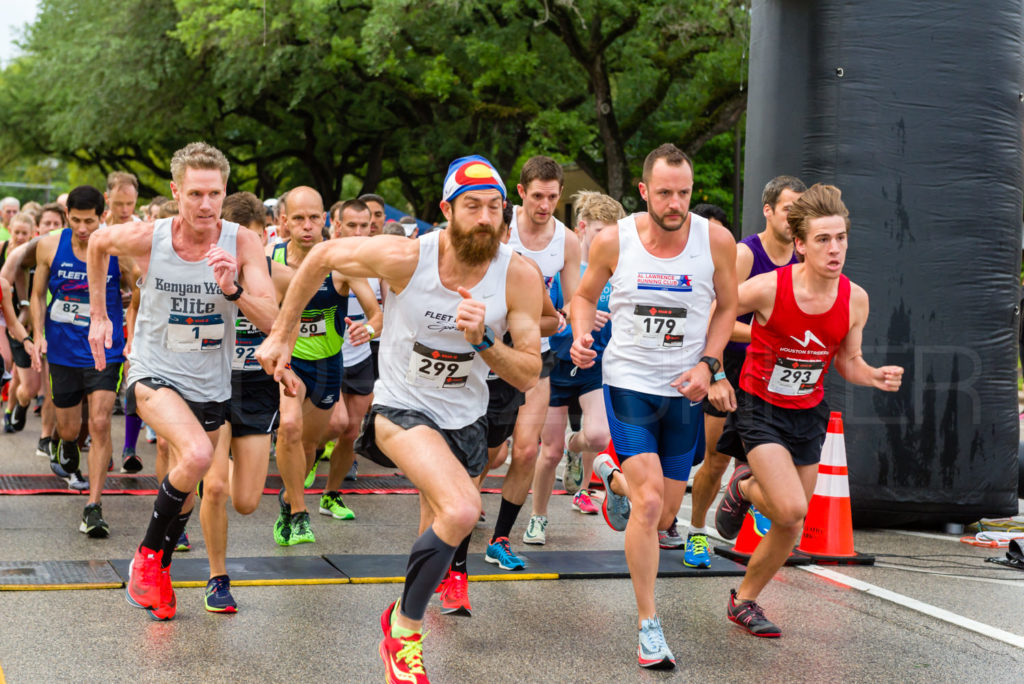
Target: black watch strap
[[714, 364], [238, 293]]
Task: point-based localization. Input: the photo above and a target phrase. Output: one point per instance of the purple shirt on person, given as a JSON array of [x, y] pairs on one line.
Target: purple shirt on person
[[762, 264]]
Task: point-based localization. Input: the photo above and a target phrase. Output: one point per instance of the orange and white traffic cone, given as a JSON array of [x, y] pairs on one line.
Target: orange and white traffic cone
[[828, 526]]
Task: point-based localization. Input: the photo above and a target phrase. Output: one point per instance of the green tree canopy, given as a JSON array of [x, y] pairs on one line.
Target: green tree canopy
[[317, 91]]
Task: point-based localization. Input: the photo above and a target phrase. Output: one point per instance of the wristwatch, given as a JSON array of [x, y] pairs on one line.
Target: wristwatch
[[720, 375], [238, 293], [488, 340], [714, 364]]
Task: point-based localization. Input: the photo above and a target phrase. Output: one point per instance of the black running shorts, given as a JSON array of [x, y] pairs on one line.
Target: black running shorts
[[756, 422], [210, 414], [69, 385]]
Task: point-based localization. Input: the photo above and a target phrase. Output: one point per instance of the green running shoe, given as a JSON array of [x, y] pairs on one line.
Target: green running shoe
[[301, 532], [283, 527], [332, 504]]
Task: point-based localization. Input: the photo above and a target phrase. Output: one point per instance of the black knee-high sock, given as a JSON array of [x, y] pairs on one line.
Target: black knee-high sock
[[428, 562], [174, 531], [461, 553], [507, 515], [165, 509]]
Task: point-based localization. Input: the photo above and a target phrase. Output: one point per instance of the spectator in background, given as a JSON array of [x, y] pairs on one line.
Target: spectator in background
[[51, 218], [9, 206], [376, 204], [122, 195]]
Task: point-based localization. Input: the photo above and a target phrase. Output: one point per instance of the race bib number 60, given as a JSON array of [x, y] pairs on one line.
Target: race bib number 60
[[658, 326], [795, 378], [436, 368]]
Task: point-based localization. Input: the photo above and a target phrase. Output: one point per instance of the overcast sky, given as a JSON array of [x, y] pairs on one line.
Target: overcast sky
[[14, 14]]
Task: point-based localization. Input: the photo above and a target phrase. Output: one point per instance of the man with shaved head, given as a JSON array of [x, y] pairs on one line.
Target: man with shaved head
[[316, 359]]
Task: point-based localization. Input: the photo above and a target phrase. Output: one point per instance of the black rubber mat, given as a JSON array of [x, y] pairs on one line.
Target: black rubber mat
[[242, 571], [744, 558], [57, 574], [147, 485]]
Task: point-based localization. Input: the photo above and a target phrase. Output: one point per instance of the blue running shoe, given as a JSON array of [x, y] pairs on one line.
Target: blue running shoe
[[500, 553], [183, 543], [653, 653], [761, 523], [218, 595], [697, 555]]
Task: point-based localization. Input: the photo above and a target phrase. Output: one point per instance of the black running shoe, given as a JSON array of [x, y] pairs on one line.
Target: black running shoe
[[7, 422], [118, 406], [68, 456], [18, 417], [93, 523], [43, 448], [750, 616], [732, 507], [130, 462]]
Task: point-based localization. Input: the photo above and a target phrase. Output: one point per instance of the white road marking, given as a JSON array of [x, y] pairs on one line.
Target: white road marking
[[919, 606]]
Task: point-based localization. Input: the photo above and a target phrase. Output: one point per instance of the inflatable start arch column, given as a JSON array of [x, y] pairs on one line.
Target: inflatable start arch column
[[914, 109]]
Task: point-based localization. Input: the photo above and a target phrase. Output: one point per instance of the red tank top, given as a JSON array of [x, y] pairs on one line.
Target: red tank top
[[789, 355]]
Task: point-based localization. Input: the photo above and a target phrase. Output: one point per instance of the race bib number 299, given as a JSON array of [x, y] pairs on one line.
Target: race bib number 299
[[437, 368]]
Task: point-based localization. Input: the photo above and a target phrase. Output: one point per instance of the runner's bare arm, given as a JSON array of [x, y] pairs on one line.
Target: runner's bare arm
[[128, 239], [130, 276], [14, 326], [602, 260], [693, 383], [386, 256], [37, 300], [358, 333], [18, 263], [550, 319], [570, 273], [258, 302], [744, 264], [850, 359], [520, 364], [757, 295]]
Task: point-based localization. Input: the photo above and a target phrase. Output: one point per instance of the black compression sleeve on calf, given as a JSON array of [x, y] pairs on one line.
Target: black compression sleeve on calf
[[507, 515], [174, 531], [461, 553], [166, 508], [428, 562]]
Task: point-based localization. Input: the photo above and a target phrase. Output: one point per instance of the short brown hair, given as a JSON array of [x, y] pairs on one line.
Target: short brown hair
[[244, 208], [338, 207], [590, 205], [55, 208], [672, 155], [198, 155], [117, 179], [774, 188], [819, 201], [168, 209], [540, 168]]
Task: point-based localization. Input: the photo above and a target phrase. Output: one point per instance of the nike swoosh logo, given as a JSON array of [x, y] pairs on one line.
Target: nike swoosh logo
[[695, 403]]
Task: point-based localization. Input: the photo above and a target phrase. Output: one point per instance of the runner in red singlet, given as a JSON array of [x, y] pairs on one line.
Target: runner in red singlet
[[805, 315]]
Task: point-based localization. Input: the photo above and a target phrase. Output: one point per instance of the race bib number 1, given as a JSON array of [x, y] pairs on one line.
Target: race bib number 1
[[71, 310], [194, 333], [436, 368], [658, 326], [794, 378]]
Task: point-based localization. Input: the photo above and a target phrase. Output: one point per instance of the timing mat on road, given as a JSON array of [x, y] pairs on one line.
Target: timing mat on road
[[142, 485], [344, 569]]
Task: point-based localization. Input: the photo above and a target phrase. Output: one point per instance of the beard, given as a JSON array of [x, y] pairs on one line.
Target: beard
[[476, 246], [660, 221]]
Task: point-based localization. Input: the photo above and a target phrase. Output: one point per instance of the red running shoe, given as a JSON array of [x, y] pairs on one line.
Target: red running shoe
[[455, 597], [143, 588], [168, 604], [402, 656]]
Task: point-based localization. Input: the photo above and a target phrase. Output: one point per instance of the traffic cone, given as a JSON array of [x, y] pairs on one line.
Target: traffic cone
[[828, 526], [747, 541]]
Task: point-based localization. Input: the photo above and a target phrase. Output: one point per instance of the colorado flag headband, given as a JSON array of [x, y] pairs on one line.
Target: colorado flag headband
[[471, 173]]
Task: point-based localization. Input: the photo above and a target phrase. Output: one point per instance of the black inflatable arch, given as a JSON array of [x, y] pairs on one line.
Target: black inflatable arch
[[914, 109]]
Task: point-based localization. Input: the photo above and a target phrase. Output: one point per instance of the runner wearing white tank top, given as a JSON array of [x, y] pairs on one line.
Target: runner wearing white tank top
[[194, 267], [539, 236], [451, 292], [665, 267]]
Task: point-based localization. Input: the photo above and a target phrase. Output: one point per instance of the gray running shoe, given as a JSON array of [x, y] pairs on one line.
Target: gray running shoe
[[653, 653], [535, 530], [572, 477], [615, 507], [670, 539]]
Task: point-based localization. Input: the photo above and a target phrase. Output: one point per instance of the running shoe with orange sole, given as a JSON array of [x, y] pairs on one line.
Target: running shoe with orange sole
[[455, 596], [143, 588]]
